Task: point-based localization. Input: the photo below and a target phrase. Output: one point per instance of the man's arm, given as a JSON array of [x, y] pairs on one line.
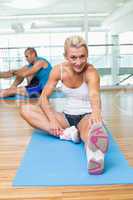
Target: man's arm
[[33, 70], [10, 74], [17, 81], [13, 72], [17, 72], [7, 74]]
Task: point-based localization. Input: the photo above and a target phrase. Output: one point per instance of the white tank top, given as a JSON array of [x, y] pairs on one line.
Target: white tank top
[[76, 99]]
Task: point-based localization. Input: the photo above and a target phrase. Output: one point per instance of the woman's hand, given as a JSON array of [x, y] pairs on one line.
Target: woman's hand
[[95, 117], [55, 128]]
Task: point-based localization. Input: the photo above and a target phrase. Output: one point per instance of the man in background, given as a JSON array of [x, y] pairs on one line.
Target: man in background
[[37, 73]]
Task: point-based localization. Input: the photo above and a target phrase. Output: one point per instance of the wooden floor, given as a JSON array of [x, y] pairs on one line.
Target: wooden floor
[[15, 135]]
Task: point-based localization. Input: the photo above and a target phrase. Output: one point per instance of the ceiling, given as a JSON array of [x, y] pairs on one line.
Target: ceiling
[[58, 14]]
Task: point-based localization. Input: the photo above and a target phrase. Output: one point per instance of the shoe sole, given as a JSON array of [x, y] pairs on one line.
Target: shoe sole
[[98, 138], [95, 167]]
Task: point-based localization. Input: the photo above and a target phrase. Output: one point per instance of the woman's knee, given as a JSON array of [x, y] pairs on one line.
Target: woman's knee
[[25, 110]]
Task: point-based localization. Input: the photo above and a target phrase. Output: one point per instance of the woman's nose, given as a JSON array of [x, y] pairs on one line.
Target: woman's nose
[[78, 61]]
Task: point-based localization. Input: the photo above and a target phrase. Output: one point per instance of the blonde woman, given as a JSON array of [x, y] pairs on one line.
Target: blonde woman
[[81, 117]]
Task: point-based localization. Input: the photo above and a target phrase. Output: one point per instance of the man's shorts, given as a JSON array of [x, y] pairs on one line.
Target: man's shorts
[[34, 89]]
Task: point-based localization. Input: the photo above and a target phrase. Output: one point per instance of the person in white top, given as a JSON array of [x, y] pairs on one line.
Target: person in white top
[[81, 119]]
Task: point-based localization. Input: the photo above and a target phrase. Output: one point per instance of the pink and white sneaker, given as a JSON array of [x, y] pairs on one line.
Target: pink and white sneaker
[[98, 138], [95, 161], [70, 133], [96, 148]]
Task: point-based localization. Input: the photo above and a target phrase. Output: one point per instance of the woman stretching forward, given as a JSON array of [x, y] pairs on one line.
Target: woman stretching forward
[[81, 117]]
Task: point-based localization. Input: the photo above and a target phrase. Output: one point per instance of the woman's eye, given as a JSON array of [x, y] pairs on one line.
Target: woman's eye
[[73, 57], [82, 56]]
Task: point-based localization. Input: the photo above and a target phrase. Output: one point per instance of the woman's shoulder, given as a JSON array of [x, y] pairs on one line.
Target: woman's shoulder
[[91, 71], [91, 68], [60, 65], [58, 69]]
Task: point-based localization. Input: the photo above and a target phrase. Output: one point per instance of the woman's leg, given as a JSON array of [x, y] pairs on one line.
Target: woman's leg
[[37, 118], [34, 115]]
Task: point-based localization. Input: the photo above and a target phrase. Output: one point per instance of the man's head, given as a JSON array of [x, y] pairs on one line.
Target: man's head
[[30, 54]]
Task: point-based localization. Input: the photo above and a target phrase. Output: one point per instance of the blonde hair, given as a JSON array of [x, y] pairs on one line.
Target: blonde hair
[[74, 41]]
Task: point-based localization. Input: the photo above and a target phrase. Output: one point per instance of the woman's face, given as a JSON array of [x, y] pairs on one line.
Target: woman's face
[[77, 58]]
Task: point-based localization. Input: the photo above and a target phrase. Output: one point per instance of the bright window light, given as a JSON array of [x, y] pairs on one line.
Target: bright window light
[[24, 4]]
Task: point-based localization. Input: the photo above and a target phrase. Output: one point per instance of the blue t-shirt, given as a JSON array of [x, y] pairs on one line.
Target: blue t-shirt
[[43, 74]]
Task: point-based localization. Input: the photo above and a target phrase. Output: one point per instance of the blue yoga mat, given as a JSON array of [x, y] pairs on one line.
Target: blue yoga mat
[[15, 97], [49, 161], [55, 94]]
